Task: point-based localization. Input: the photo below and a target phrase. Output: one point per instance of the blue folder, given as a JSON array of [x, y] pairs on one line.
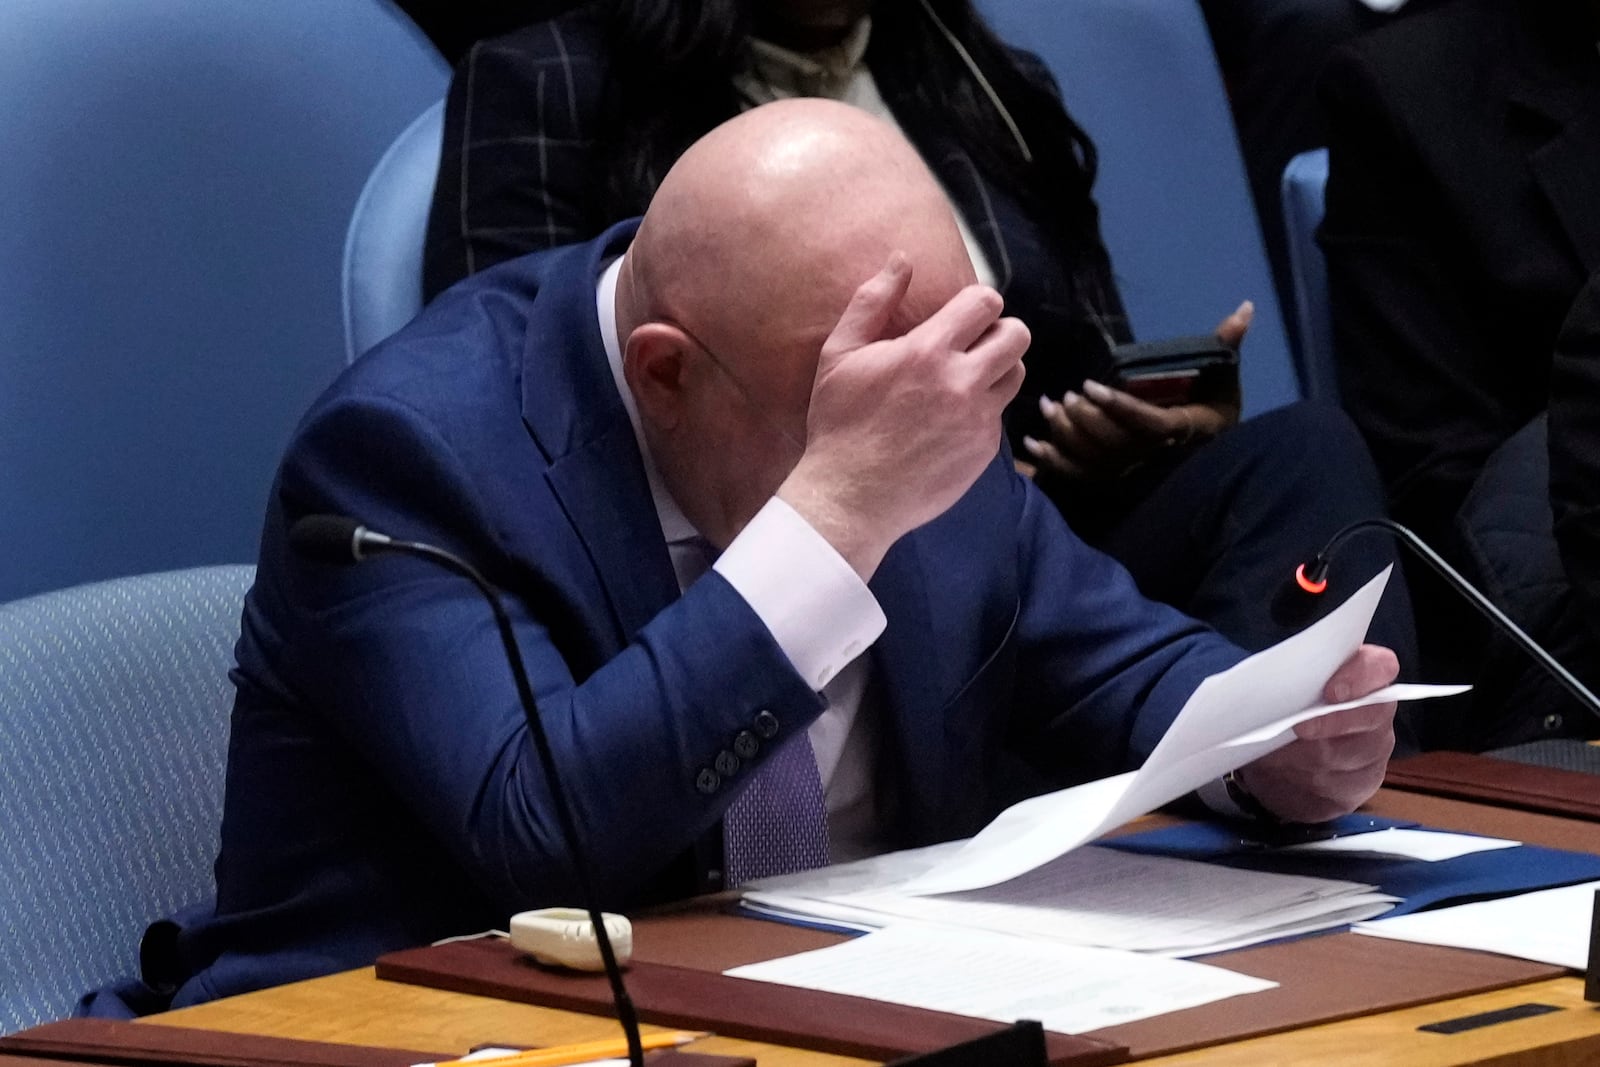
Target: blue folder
[[1418, 883]]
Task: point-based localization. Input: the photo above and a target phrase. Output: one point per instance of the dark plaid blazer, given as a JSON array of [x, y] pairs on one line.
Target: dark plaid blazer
[[522, 171]]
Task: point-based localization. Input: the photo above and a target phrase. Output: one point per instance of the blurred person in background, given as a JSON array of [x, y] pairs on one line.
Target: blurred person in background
[[1463, 219]]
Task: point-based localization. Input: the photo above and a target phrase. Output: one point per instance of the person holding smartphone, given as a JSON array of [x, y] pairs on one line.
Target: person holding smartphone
[[564, 127]]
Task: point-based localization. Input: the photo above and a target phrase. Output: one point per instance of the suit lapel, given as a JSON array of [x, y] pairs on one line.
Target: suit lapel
[[1568, 171], [571, 408], [1564, 91], [601, 487]]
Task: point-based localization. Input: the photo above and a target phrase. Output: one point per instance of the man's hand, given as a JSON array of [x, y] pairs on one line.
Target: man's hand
[[1103, 432], [1336, 762], [900, 427]]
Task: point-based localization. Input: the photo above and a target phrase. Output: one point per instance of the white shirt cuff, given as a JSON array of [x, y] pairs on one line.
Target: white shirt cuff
[[815, 605], [1214, 795]]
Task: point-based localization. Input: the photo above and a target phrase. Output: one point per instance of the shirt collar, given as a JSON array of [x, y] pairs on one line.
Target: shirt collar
[[776, 72], [675, 525]]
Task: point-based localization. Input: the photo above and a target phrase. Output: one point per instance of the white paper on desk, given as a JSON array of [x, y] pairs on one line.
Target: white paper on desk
[[858, 876], [491, 1054], [994, 976], [1107, 898], [1231, 719], [1431, 846], [1549, 926]]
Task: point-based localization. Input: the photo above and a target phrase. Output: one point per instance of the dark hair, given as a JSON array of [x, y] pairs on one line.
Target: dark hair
[[687, 52]]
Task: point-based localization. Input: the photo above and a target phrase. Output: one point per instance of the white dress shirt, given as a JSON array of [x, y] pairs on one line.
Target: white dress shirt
[[819, 611]]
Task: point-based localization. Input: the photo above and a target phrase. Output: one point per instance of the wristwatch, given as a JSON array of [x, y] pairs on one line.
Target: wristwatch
[[1246, 800]]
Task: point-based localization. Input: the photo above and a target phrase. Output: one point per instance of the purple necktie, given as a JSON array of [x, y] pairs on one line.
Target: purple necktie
[[779, 823]]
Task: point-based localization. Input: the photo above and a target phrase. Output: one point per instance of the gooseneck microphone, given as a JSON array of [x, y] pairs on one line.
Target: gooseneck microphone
[[1311, 578], [338, 539]]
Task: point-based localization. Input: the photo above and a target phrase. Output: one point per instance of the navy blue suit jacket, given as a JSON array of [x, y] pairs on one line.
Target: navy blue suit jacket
[[382, 787]]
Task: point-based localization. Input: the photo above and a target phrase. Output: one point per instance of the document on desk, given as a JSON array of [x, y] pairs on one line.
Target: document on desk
[[1231, 719], [995, 976], [1549, 926], [1395, 842], [1092, 897]]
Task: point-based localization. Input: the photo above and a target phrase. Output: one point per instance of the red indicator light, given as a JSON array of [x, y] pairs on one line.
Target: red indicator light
[[1314, 588]]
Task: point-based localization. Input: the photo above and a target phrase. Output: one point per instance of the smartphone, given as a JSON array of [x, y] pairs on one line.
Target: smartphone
[[1180, 370]]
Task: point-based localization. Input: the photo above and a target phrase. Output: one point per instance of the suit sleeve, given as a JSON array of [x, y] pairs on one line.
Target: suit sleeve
[[402, 661], [1575, 449], [517, 158], [1412, 353]]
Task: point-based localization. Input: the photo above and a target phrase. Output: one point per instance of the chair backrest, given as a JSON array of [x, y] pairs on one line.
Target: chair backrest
[[114, 703], [1141, 77], [383, 248], [1305, 182], [177, 178]]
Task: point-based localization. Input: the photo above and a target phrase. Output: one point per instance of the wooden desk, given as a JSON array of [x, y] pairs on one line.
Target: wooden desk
[[357, 1008]]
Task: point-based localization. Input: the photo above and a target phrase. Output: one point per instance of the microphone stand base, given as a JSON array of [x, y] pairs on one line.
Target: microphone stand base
[[1019, 1045]]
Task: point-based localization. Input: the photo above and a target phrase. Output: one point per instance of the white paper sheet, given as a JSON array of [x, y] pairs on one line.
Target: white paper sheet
[[1550, 926], [1107, 898], [491, 1054], [1231, 719], [994, 976], [1428, 845]]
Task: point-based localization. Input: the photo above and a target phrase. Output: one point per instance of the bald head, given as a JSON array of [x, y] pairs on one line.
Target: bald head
[[768, 223], [747, 258]]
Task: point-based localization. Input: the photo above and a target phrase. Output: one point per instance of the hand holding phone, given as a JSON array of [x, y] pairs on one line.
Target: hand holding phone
[[1167, 393], [1181, 370]]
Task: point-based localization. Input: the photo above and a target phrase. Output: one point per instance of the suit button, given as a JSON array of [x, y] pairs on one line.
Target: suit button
[[746, 745], [1552, 722], [707, 781], [727, 764], [766, 725]]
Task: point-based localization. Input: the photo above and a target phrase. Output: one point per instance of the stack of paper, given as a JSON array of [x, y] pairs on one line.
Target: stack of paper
[[1090, 897], [1021, 875]]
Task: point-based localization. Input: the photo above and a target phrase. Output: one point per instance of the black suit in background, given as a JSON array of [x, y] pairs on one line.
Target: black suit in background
[[1574, 457], [1463, 217], [1271, 53]]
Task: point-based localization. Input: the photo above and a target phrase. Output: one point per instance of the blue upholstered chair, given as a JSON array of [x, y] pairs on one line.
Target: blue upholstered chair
[[383, 248], [177, 176], [1305, 181], [114, 703], [1141, 77]]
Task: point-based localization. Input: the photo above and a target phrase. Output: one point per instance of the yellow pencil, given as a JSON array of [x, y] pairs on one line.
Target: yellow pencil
[[560, 1055]]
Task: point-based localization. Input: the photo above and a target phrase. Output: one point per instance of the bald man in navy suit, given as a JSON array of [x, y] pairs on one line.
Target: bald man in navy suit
[[739, 469]]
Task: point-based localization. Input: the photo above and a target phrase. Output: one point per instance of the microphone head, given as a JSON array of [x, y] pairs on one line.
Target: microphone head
[[327, 538], [1299, 601], [1312, 577]]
